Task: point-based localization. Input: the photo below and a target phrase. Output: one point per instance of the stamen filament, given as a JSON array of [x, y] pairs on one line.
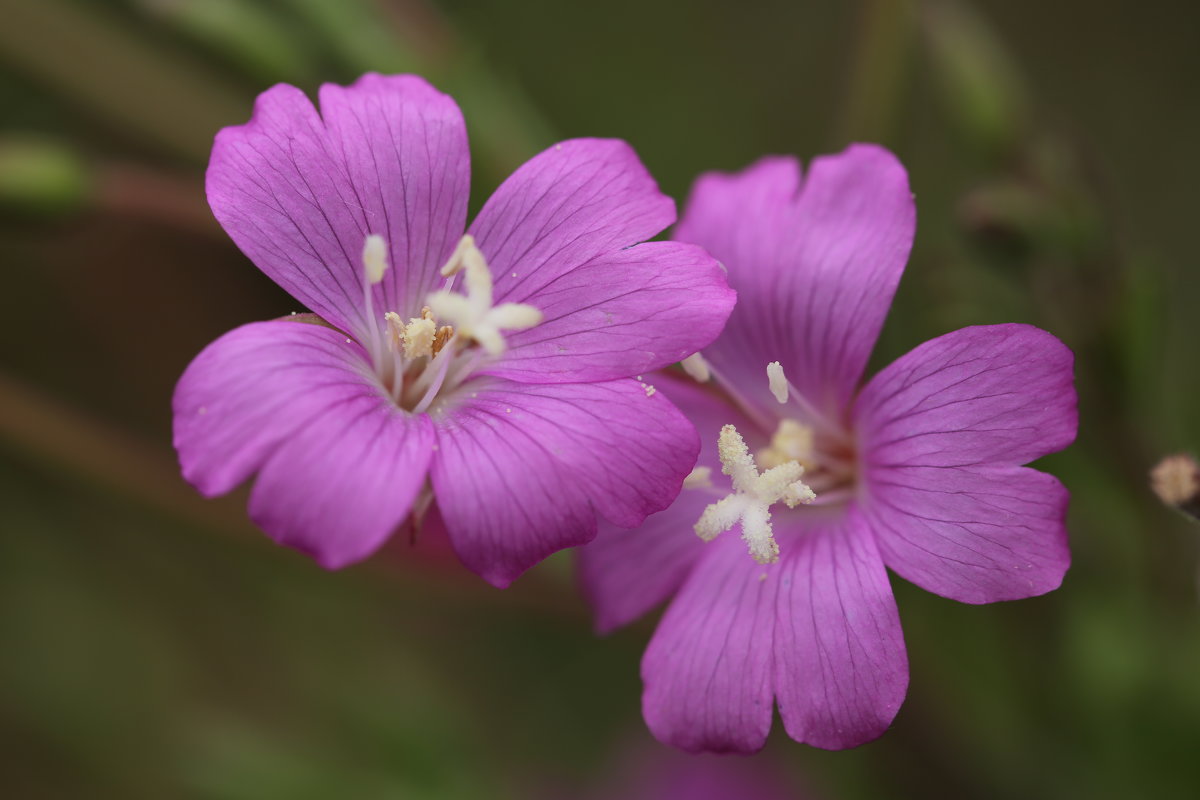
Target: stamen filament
[[696, 367], [784, 392], [374, 261], [439, 372]]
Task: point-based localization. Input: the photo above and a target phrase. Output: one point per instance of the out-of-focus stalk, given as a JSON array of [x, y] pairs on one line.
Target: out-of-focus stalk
[[41, 177], [45, 179], [358, 35], [251, 34], [981, 86], [138, 87], [51, 431]]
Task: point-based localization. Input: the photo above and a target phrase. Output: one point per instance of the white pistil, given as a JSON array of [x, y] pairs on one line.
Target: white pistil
[[752, 497], [473, 316], [777, 382], [695, 366]]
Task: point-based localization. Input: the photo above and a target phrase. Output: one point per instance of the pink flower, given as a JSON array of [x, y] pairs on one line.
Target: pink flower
[[918, 471], [487, 376]]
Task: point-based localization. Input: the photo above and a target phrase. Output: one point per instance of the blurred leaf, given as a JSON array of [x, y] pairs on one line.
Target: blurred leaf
[[878, 71], [506, 127], [980, 83], [357, 33], [142, 89], [251, 34], [1140, 346], [40, 176]]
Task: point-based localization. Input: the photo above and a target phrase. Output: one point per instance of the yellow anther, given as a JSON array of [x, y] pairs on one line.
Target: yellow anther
[[791, 441]]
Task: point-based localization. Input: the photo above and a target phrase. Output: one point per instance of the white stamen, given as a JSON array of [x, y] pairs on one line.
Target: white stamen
[[374, 258], [695, 366], [777, 381], [754, 494], [699, 478], [473, 316], [395, 331]]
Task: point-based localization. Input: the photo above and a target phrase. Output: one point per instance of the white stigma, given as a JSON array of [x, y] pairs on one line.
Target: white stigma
[[777, 382], [374, 258], [752, 497], [473, 315], [695, 366]]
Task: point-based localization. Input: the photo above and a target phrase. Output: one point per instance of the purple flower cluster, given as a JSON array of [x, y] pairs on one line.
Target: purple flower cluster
[[496, 381]]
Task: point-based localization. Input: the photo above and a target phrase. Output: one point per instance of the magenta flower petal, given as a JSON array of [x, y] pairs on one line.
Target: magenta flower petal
[[708, 668], [338, 465], [815, 263], [944, 428], [973, 534], [299, 193], [522, 470], [405, 150], [578, 200], [250, 389], [623, 313], [841, 670], [625, 573], [341, 484], [994, 393]]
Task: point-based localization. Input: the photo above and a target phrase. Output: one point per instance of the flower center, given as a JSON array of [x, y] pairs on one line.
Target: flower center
[[792, 441], [430, 355], [816, 450]]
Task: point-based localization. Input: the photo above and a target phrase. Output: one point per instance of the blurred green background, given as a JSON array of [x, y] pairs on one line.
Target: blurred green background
[[156, 645]]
